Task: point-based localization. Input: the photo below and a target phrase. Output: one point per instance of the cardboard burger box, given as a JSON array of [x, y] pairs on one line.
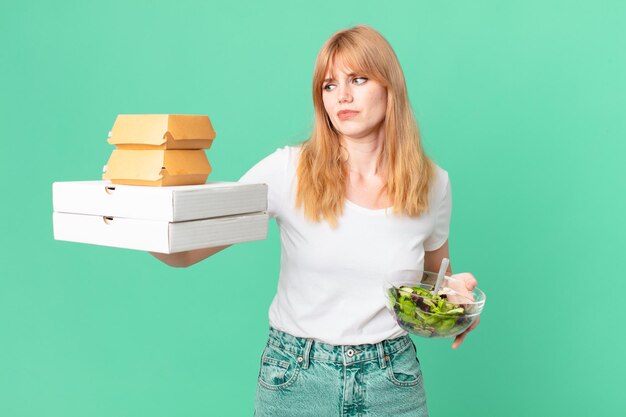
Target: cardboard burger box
[[157, 167], [159, 219], [161, 131], [159, 149]]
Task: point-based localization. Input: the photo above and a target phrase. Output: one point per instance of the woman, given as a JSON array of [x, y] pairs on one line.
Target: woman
[[353, 203]]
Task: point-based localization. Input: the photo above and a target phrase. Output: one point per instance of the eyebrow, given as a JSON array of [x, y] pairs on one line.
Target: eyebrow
[[349, 75]]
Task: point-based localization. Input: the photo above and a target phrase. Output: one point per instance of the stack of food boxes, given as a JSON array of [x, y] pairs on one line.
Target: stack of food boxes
[[159, 150], [153, 194]]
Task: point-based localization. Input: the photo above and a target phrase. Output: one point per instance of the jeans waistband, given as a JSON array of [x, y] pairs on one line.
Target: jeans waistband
[[306, 348]]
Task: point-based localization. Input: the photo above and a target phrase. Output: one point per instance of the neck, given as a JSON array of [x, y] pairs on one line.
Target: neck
[[364, 152]]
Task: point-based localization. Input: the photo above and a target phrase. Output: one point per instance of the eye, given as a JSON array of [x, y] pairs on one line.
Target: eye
[[361, 78], [326, 87]]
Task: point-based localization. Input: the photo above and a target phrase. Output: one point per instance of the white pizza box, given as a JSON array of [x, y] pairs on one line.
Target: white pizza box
[[160, 235], [173, 204]]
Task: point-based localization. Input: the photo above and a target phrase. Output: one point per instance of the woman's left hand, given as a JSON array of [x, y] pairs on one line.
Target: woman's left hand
[[470, 283]]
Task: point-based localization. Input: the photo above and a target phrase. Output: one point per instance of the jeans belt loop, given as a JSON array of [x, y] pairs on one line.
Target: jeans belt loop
[[381, 355], [307, 350]]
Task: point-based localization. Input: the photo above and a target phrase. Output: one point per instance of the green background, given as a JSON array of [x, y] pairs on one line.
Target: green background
[[522, 102]]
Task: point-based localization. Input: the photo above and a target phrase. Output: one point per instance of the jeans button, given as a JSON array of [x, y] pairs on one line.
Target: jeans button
[[350, 352]]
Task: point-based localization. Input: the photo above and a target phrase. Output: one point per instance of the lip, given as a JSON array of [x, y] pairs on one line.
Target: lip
[[347, 114]]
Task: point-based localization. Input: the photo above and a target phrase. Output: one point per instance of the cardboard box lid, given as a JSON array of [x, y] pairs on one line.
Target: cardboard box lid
[[153, 165], [174, 204], [166, 131]]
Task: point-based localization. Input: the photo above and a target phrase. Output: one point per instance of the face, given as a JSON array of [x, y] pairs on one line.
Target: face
[[365, 98]]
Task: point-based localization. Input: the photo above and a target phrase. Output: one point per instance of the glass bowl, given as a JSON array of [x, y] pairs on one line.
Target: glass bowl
[[417, 311]]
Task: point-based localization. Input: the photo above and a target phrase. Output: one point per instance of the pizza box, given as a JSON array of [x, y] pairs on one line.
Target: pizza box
[[160, 235], [170, 204]]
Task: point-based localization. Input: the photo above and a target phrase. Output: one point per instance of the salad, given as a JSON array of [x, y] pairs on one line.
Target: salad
[[418, 311]]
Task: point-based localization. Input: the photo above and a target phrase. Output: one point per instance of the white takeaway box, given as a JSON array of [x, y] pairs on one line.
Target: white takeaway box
[[173, 203], [159, 219]]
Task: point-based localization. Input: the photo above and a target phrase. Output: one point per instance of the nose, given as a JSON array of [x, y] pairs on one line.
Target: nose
[[345, 95]]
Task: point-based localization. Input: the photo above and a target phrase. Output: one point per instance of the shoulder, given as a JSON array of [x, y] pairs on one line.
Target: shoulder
[[286, 154], [280, 157], [292, 151], [441, 181], [290, 155], [273, 167]]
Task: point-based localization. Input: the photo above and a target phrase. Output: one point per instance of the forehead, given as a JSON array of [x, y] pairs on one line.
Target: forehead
[[338, 66]]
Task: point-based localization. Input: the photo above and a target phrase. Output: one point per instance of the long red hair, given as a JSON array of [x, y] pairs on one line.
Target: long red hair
[[322, 172]]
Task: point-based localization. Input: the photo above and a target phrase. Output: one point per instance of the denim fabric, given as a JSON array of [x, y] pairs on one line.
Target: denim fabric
[[303, 377]]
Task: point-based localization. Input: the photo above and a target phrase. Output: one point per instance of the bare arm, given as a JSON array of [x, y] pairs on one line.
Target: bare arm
[[432, 260], [187, 258]]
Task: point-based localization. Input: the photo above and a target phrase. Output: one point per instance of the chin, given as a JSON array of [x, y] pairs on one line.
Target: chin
[[356, 134], [351, 130]]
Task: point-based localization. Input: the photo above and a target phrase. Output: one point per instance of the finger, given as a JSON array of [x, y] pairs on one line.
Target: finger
[[468, 279], [458, 340], [472, 327], [470, 282]]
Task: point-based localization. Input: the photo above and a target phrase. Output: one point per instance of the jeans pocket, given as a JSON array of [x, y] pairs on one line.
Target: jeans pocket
[[404, 368], [279, 369]]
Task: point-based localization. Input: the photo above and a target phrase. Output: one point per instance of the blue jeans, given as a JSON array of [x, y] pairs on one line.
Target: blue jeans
[[303, 377]]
